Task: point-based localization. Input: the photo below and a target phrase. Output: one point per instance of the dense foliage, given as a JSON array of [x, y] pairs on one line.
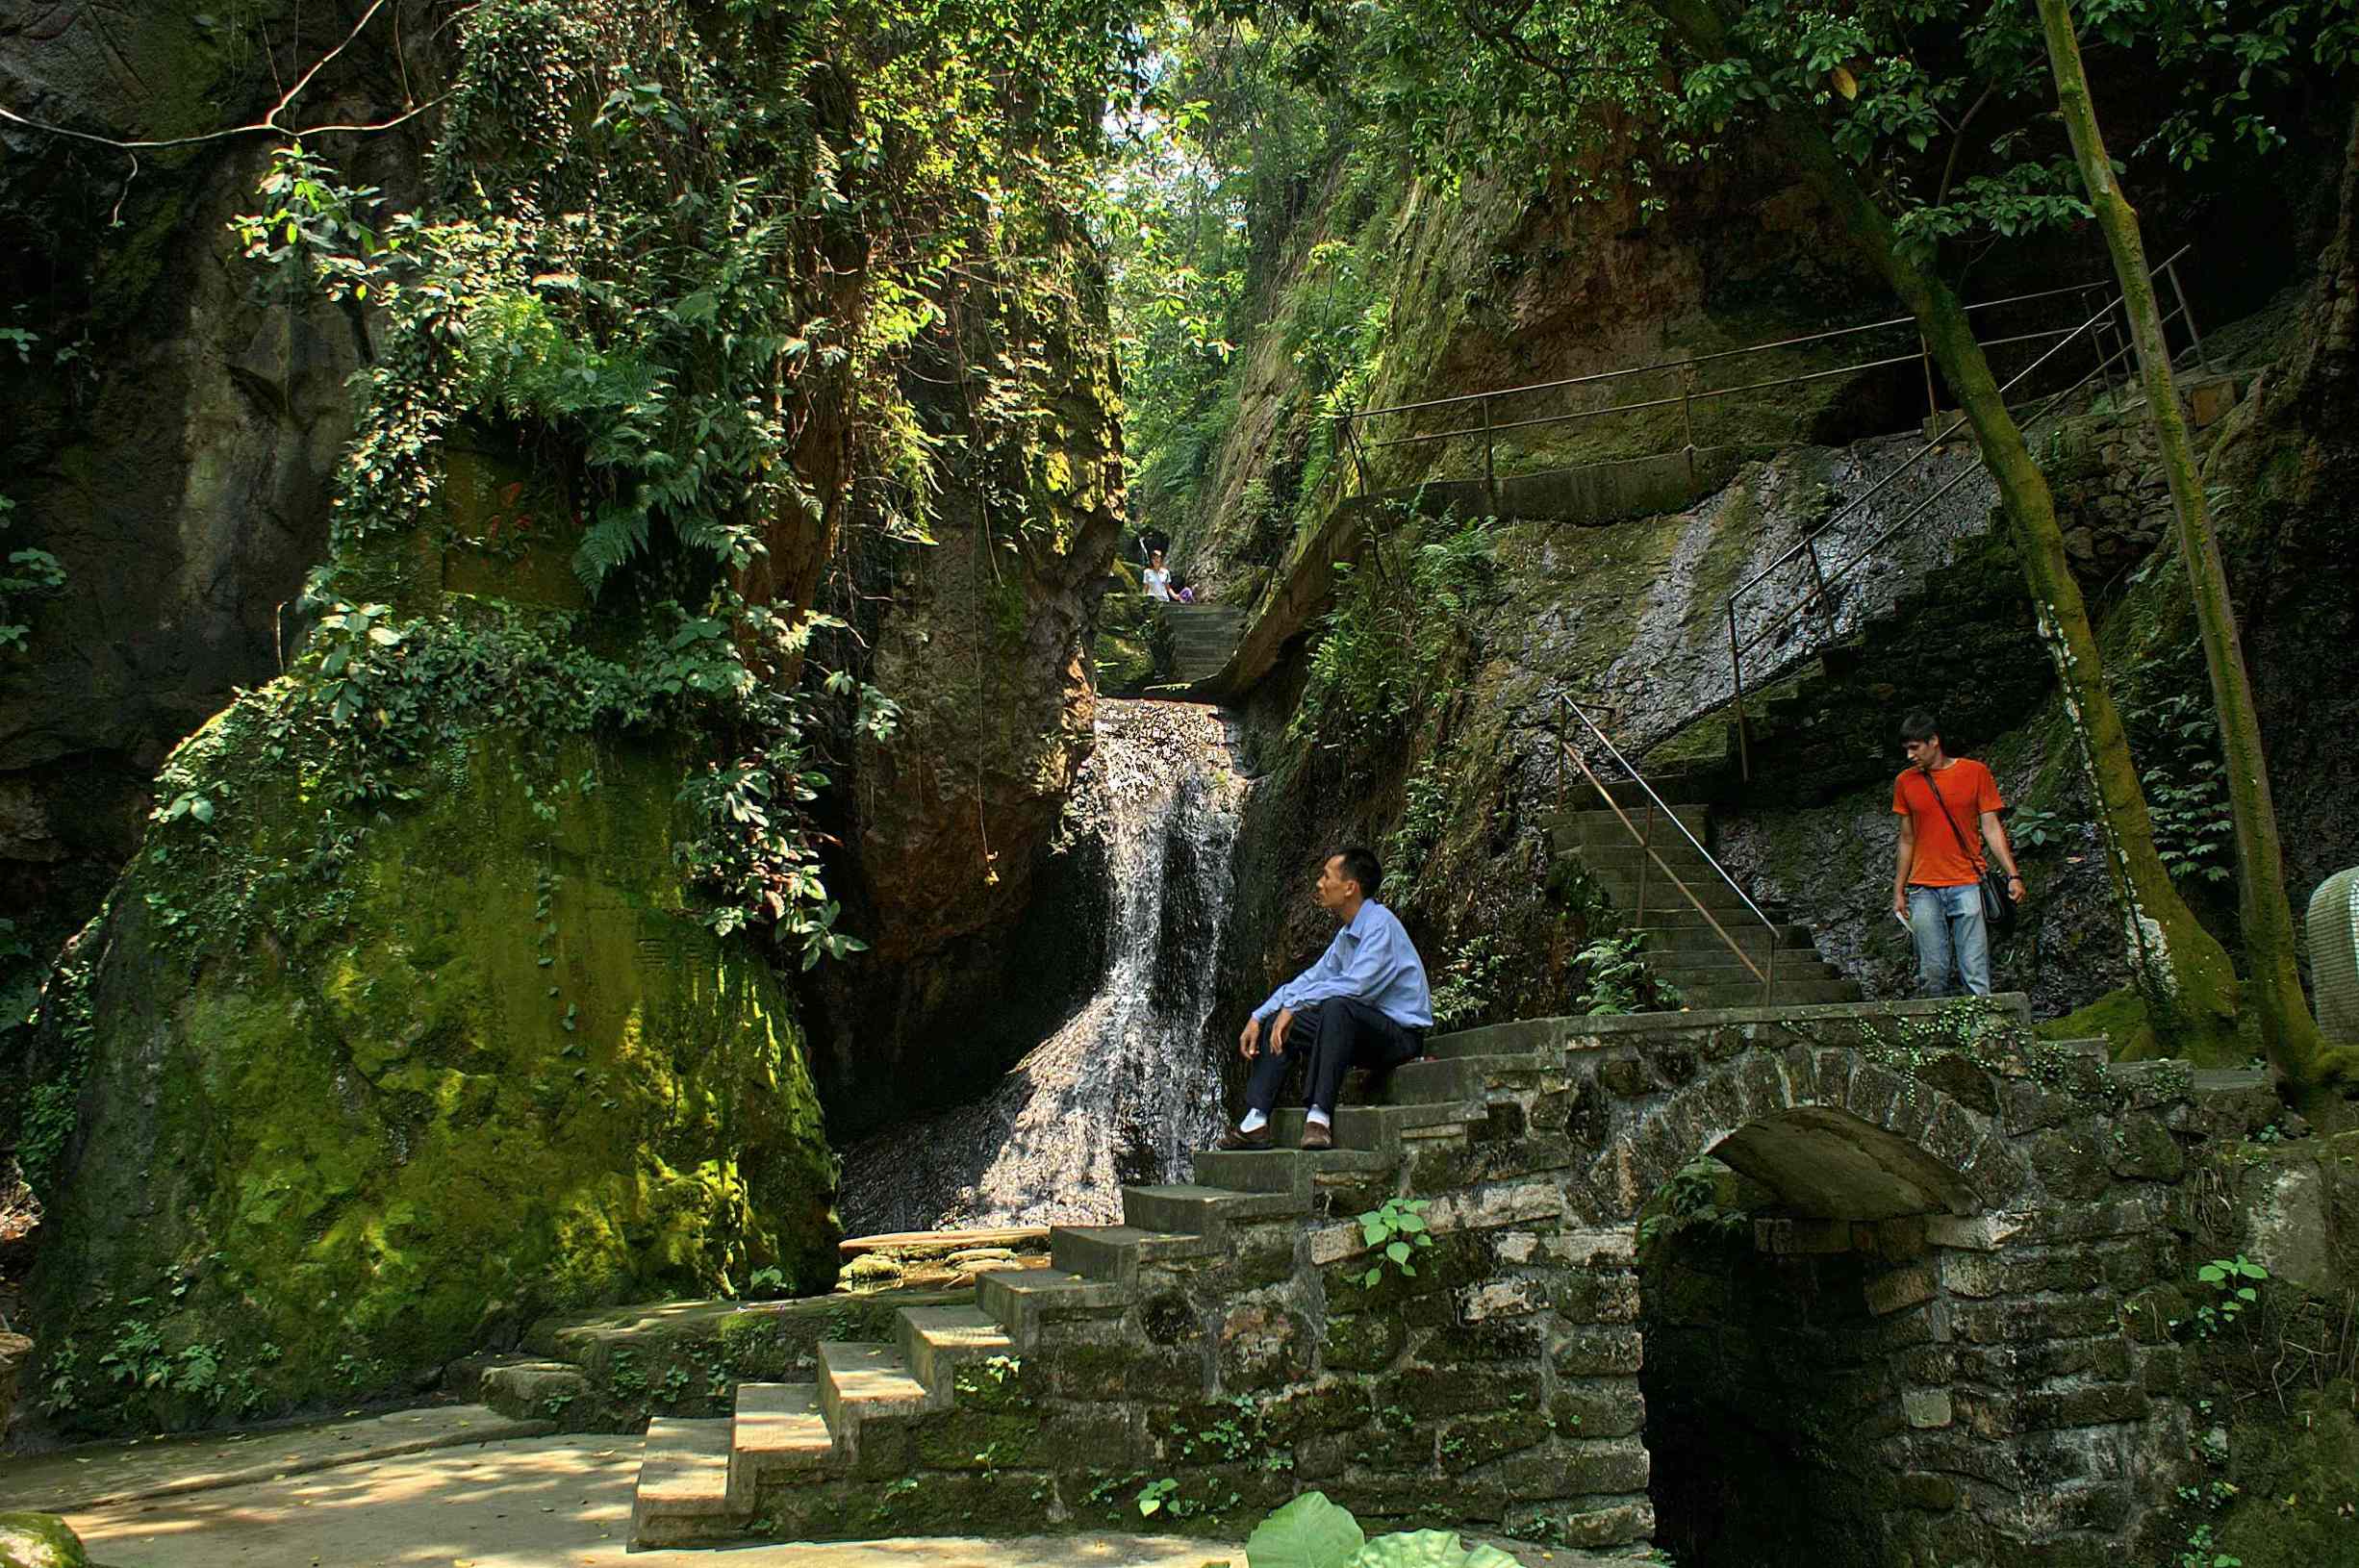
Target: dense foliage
[[682, 255]]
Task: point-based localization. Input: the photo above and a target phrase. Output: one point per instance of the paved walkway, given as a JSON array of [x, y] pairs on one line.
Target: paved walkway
[[542, 1502]]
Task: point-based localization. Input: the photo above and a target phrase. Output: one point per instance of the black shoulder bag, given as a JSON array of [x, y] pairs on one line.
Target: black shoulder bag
[[1997, 909]]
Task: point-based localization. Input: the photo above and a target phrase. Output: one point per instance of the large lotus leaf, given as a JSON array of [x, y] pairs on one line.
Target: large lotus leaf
[[1308, 1533], [1428, 1548]]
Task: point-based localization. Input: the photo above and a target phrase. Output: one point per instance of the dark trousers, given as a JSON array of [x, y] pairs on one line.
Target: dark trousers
[[1333, 1036]]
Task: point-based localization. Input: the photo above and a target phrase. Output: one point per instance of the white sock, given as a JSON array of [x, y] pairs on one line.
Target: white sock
[[1254, 1121], [1318, 1118]]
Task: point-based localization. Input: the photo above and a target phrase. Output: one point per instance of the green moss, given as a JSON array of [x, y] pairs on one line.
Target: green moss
[[2298, 1485], [497, 1071], [38, 1540], [2118, 1017]]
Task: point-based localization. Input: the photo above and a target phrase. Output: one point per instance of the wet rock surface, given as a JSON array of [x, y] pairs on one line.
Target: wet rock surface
[[1125, 1088]]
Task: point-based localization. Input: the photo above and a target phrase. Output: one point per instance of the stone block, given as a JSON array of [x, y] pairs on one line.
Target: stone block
[[1260, 1344], [2023, 1320], [1363, 1341], [1597, 1407], [1424, 1393], [1477, 1440], [2139, 1147], [2071, 1162], [1502, 1340], [1896, 1290], [1598, 1350], [1333, 1404], [1979, 1232], [1584, 1523], [1926, 1407], [1503, 1299], [1603, 1464], [1925, 1490], [1596, 1247], [1511, 1204], [1873, 1093], [1597, 1296]]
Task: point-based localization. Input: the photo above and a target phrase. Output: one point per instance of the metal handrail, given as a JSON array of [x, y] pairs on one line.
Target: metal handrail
[[1766, 975], [1818, 599]]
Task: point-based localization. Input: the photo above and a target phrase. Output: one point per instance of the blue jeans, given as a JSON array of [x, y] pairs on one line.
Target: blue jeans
[[1947, 924]]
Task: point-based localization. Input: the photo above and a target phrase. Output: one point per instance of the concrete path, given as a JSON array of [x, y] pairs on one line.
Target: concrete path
[[530, 1503]]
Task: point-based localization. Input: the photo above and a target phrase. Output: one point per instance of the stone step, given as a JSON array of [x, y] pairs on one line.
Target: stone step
[[1664, 936], [936, 1341], [860, 1381], [779, 1430], [1453, 1079], [1022, 1299], [530, 1390], [1681, 914], [1582, 820], [1709, 966], [1704, 887], [1201, 1211], [1624, 858], [683, 1496], [1519, 1037], [1287, 1170], [1785, 993], [1379, 1127], [1115, 1252]]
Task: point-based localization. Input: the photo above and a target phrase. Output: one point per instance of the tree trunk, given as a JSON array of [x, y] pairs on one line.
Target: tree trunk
[[2182, 973], [2296, 1047]]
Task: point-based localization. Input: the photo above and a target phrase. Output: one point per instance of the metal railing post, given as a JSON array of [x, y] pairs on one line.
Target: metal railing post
[[1924, 356], [1819, 589], [1687, 412], [1646, 845], [1490, 478], [2170, 270], [1735, 664]]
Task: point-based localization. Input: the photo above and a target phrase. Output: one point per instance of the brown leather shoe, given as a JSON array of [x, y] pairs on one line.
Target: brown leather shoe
[[1235, 1139], [1315, 1135]]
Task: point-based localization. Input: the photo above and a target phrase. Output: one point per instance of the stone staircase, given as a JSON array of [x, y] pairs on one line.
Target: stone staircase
[[1201, 639], [1682, 948], [1002, 1403]]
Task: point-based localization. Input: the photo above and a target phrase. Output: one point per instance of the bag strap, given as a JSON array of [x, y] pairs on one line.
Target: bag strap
[[1971, 858]]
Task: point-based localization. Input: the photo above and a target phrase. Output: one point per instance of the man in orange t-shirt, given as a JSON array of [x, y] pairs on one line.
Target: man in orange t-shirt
[[1936, 883]]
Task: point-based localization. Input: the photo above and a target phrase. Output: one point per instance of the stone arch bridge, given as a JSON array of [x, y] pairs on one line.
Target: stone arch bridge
[[1961, 1230]]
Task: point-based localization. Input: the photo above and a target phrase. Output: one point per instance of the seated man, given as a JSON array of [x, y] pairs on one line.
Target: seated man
[[1362, 1004]]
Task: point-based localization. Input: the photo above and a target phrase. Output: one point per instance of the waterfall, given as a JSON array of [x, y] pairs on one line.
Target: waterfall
[[1128, 1087]]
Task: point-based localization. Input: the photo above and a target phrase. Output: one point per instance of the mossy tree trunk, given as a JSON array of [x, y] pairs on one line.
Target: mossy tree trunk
[[2181, 970], [2296, 1047]]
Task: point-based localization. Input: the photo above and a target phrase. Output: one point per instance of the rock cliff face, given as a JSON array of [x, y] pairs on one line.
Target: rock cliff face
[[171, 432]]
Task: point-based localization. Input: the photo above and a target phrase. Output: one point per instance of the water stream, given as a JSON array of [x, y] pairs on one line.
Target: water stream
[[1128, 1087]]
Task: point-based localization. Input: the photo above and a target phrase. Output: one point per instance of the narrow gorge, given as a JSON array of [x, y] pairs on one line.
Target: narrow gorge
[[614, 877]]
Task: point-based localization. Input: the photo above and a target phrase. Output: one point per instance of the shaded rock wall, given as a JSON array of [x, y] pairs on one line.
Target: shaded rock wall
[[171, 432]]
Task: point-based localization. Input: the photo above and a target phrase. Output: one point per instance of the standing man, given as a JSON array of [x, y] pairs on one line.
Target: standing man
[[1937, 882], [1365, 1003]]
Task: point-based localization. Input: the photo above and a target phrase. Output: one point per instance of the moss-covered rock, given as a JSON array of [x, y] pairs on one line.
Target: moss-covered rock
[[38, 1540], [473, 1064]]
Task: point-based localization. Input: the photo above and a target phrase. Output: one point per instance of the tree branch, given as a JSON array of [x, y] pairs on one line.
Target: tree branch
[[268, 123]]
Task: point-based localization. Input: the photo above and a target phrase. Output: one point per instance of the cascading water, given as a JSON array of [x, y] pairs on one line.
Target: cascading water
[[1129, 1086]]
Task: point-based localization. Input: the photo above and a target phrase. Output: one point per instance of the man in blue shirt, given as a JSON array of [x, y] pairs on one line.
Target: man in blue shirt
[[1364, 1004]]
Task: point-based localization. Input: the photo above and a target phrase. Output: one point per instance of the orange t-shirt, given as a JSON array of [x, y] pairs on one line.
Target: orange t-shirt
[[1968, 790]]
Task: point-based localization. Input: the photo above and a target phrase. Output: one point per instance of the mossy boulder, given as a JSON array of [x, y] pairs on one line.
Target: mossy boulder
[[38, 1540], [361, 1100]]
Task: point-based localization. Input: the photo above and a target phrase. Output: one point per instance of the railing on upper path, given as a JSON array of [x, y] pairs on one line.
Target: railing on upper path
[[1702, 381], [1812, 598], [1643, 836]]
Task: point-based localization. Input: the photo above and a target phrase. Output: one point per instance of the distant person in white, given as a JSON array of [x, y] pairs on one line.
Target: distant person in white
[[1365, 1003], [1159, 580]]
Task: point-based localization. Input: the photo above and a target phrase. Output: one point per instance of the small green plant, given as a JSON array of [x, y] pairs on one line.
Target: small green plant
[[2236, 1281], [1616, 978], [1154, 1494], [2031, 829], [1398, 1230], [1466, 982]]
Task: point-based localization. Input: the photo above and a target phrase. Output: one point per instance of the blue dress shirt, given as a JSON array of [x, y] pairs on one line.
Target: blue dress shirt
[[1372, 959]]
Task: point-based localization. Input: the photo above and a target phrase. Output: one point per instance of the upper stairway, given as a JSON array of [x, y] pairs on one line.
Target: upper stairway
[[1768, 965], [1201, 639]]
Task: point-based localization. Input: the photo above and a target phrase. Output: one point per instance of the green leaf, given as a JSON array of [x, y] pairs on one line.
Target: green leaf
[[201, 809], [1398, 1251], [1308, 1533], [1428, 1548]]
